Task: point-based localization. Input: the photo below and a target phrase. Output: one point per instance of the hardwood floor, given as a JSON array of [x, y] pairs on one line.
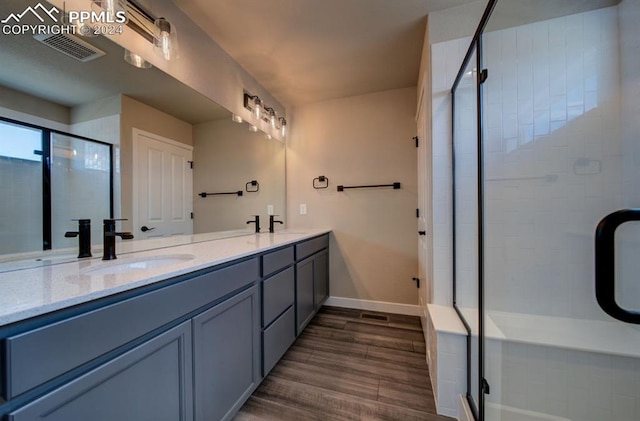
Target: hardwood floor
[[348, 367]]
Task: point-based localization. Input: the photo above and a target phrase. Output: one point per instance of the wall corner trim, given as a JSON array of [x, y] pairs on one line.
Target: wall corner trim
[[386, 307]]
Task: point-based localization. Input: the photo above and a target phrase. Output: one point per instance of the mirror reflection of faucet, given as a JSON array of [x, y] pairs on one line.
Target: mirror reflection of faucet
[[273, 221], [84, 237], [109, 238], [256, 221]]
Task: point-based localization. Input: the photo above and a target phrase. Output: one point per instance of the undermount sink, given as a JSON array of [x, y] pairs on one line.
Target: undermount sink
[[136, 264]]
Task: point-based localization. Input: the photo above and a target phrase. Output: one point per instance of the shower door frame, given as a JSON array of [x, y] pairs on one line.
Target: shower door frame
[[481, 75]]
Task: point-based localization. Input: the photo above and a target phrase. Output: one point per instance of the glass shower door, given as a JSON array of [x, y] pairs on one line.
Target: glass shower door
[[561, 152], [81, 187], [465, 216]]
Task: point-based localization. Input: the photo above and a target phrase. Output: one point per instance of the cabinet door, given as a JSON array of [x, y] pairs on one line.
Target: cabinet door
[[305, 293], [226, 340], [321, 277], [150, 382]]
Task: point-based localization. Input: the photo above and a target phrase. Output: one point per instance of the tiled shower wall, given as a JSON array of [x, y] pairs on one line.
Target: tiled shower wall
[[553, 160]]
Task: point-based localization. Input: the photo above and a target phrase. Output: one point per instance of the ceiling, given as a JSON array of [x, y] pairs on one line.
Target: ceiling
[[304, 51]]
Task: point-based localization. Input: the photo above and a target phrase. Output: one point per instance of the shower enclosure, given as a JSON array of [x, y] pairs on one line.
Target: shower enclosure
[[546, 226]]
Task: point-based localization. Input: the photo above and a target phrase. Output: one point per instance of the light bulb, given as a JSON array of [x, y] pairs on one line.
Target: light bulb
[[257, 109], [283, 127], [253, 128], [268, 136], [272, 118], [165, 40], [236, 118], [135, 60], [110, 7]]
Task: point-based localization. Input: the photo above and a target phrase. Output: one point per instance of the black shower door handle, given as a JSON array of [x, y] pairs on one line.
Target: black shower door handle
[[605, 264]]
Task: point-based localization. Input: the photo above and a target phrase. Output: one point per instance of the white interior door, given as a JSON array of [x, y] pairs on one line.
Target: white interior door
[[163, 186]]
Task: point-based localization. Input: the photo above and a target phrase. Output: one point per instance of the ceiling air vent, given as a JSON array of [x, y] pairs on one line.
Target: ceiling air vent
[[71, 46]]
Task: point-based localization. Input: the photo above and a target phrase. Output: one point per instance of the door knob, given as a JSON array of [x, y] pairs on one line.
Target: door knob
[[146, 228]]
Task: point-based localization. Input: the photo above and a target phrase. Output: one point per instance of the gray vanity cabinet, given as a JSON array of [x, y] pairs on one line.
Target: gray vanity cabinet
[[305, 293], [150, 382], [226, 341], [192, 349], [312, 279], [321, 277], [278, 302]]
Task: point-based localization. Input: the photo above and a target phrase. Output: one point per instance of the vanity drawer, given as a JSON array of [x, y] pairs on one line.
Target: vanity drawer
[[42, 354], [277, 338], [278, 293], [277, 260], [309, 247]]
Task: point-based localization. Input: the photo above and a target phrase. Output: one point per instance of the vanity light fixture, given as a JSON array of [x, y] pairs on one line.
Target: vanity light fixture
[[135, 60], [261, 111], [236, 118], [253, 128], [114, 8], [158, 31]]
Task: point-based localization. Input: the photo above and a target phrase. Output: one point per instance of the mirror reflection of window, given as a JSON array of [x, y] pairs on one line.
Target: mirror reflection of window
[[20, 188]]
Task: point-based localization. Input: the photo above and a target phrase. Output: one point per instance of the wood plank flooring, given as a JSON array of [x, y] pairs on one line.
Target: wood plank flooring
[[345, 367]]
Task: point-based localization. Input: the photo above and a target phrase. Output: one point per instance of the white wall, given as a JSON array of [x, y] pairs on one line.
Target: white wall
[[359, 140]]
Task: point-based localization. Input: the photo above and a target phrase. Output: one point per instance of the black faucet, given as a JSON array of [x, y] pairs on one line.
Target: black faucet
[[84, 234], [255, 221], [273, 221], [109, 238]]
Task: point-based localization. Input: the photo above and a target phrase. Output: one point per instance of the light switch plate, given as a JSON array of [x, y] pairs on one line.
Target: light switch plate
[[269, 209], [303, 208]]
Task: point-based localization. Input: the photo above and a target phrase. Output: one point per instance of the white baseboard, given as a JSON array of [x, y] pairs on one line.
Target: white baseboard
[[385, 307], [464, 412]]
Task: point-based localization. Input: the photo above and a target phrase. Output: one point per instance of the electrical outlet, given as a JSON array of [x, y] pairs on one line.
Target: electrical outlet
[[269, 209], [303, 208]]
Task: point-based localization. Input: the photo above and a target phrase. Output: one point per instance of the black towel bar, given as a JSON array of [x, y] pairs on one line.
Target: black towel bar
[[395, 186], [237, 193]]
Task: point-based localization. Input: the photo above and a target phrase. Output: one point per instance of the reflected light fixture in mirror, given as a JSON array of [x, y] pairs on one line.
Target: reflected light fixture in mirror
[[135, 60]]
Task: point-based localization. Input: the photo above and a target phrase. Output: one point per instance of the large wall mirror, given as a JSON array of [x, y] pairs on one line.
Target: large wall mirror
[[105, 117]]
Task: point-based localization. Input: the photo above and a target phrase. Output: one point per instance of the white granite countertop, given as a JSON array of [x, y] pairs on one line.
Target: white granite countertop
[[36, 291]]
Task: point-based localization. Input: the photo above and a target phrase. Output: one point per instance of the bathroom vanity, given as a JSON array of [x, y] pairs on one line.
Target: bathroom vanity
[[182, 333]]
